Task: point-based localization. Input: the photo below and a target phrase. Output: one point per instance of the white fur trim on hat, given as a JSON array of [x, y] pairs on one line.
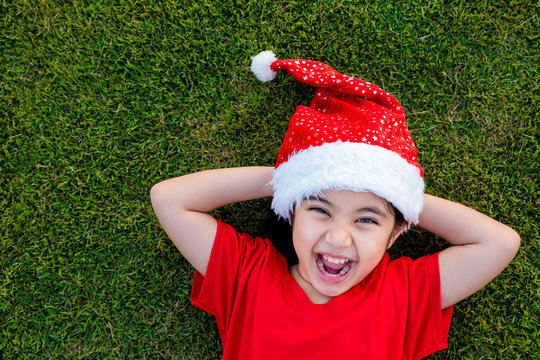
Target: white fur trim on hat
[[348, 166], [260, 65]]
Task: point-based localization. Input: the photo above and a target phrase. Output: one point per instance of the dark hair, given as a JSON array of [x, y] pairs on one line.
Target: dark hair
[[398, 215], [280, 233]]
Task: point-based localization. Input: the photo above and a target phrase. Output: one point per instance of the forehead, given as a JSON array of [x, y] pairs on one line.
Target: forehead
[[349, 199]]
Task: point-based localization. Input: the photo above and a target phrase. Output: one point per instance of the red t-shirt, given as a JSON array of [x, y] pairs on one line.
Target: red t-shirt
[[262, 313]]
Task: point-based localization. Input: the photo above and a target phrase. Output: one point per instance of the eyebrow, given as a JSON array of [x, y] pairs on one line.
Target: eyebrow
[[373, 209]]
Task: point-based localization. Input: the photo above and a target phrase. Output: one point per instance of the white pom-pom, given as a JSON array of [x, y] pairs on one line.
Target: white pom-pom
[[260, 65]]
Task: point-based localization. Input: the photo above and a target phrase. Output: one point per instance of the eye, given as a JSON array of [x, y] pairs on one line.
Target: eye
[[366, 221], [319, 210]]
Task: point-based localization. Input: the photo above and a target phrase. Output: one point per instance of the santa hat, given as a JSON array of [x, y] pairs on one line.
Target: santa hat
[[353, 136]]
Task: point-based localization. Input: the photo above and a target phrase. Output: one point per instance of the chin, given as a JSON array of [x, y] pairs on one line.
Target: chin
[[334, 288], [334, 291]]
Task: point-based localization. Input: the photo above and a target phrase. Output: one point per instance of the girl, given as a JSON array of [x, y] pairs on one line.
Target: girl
[[347, 178]]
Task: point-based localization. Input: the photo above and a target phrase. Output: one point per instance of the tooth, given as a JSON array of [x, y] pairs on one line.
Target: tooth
[[320, 265], [345, 269], [335, 260]]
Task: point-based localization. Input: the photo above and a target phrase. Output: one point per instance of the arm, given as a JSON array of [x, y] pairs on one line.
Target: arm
[[182, 205], [481, 247]]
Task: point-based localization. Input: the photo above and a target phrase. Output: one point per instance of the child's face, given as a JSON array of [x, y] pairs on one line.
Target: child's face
[[339, 239]]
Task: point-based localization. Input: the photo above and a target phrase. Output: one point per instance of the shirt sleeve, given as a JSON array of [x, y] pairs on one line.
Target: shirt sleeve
[[233, 254], [427, 325]]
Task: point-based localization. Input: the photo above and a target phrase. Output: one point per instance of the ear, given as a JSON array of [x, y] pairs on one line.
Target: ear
[[398, 230]]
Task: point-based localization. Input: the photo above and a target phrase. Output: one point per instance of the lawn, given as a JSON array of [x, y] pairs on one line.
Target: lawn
[[99, 100]]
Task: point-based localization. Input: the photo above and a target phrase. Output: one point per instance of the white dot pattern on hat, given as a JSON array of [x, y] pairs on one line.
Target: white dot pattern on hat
[[344, 109]]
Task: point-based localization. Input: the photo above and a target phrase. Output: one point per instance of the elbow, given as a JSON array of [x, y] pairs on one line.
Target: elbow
[[515, 242], [512, 242], [157, 194]]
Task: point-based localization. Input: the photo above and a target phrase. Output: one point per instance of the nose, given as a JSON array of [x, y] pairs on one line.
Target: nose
[[339, 237]]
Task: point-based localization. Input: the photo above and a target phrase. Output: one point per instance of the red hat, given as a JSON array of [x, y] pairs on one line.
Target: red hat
[[353, 136]]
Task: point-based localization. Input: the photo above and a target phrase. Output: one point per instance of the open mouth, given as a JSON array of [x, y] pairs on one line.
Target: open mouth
[[333, 267]]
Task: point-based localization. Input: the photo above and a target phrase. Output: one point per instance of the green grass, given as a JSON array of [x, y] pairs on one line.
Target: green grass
[[99, 100]]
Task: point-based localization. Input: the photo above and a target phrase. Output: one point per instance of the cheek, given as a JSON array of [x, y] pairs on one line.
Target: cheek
[[301, 243], [304, 239], [372, 246]]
